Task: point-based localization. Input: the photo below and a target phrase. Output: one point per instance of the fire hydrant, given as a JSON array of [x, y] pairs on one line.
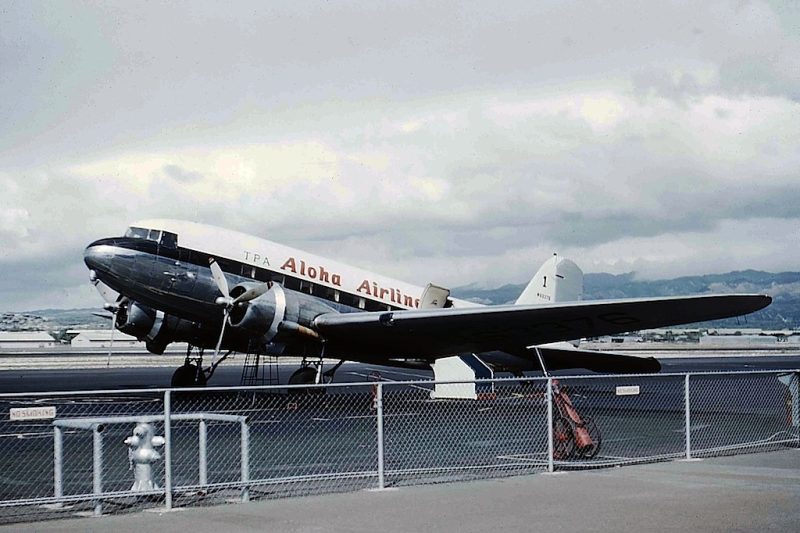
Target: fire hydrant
[[142, 455]]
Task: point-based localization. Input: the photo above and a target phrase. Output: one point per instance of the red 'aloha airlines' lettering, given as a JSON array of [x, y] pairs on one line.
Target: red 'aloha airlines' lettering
[[395, 295], [318, 273]]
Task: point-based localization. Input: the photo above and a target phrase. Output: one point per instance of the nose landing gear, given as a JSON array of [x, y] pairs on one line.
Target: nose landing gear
[[192, 373]]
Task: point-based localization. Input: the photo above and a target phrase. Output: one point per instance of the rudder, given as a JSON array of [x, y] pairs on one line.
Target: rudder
[[558, 280]]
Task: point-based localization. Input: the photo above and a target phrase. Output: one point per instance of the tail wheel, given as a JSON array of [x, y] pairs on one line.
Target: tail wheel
[[563, 439], [588, 452]]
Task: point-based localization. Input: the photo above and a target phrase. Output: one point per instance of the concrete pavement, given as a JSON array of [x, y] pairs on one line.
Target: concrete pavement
[[752, 492]]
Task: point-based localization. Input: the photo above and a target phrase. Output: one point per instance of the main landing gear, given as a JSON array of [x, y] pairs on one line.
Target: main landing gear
[[192, 373], [310, 373]]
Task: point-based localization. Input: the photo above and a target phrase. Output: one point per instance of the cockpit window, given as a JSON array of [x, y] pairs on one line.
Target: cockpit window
[[154, 235], [136, 233], [170, 240]]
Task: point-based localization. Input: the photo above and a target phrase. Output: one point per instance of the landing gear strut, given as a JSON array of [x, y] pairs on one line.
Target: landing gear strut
[[192, 373], [310, 373]]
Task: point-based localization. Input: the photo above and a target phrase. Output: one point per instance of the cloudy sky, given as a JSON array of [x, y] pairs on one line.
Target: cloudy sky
[[454, 142]]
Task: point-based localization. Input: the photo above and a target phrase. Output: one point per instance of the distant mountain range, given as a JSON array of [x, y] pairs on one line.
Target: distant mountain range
[[784, 313]]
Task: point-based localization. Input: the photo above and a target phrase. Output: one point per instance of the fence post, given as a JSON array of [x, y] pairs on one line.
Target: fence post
[[688, 416], [549, 399], [201, 447], [97, 468], [168, 449], [379, 415], [58, 457], [245, 461], [794, 395]]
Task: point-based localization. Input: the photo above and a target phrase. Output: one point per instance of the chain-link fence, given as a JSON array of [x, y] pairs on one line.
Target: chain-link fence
[[103, 452]]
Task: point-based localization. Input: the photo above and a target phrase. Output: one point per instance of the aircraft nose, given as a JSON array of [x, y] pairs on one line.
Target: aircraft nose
[[97, 255]]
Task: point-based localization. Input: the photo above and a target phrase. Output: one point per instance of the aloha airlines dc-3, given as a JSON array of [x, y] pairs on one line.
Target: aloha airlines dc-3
[[176, 281]]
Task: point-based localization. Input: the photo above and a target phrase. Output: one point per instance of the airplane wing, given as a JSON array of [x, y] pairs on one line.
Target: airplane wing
[[432, 333]]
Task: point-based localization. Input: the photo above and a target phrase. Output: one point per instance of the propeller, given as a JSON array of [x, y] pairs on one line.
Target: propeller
[[229, 302], [114, 301]]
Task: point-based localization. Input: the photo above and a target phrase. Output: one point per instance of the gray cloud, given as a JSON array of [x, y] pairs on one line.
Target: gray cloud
[[451, 141]]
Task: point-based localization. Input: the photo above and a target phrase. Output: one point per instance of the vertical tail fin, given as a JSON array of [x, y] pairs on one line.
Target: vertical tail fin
[[558, 280]]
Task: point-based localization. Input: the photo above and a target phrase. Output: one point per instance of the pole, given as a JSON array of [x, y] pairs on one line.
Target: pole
[[97, 468], [58, 457], [688, 416], [245, 461], [167, 450], [379, 415], [549, 398], [794, 393], [202, 447]]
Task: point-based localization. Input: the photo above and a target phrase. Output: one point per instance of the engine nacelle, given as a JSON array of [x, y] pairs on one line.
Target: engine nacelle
[[154, 327], [263, 315], [135, 319]]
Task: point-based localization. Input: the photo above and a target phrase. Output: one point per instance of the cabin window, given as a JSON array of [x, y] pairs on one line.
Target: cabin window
[[261, 274], [292, 283], [306, 287], [169, 240]]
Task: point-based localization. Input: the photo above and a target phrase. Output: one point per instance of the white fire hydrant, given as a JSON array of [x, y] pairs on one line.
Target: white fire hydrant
[[142, 455]]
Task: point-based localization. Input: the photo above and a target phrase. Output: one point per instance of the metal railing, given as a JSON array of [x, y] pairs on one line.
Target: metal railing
[[295, 440]]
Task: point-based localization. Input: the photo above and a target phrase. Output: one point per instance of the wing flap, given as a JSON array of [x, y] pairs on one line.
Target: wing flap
[[595, 361], [438, 332]]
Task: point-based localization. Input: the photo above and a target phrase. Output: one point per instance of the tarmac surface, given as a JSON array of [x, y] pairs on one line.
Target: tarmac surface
[[70, 372], [753, 492]]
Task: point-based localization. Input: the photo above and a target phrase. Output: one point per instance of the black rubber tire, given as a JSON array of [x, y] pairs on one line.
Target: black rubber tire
[[563, 439], [186, 376], [589, 452], [306, 376]]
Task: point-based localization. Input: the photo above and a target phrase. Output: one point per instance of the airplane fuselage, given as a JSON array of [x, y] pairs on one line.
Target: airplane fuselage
[[163, 265], [183, 281]]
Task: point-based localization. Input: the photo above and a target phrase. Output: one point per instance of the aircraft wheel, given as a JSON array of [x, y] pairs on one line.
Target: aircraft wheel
[[563, 439], [187, 376], [590, 451], [307, 375]]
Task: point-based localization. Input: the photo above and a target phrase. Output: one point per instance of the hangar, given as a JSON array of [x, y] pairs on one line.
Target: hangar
[[101, 338], [21, 340]]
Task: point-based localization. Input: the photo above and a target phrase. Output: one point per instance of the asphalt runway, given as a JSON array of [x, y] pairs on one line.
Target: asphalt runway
[[229, 374]]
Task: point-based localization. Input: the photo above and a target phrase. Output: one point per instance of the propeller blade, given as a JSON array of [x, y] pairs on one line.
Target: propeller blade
[[111, 343], [219, 277], [221, 334], [251, 294], [104, 315], [108, 294]]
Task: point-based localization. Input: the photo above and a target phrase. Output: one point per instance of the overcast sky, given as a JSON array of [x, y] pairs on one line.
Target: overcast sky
[[454, 142]]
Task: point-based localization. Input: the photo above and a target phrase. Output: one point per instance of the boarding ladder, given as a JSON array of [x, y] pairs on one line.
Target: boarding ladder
[[259, 368]]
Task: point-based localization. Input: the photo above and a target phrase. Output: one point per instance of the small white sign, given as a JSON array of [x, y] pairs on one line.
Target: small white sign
[[32, 413], [628, 390]]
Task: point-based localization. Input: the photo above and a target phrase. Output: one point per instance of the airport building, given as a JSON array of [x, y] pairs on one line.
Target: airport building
[[101, 338], [21, 340]]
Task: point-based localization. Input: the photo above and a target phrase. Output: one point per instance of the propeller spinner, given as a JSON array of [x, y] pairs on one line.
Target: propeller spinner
[[228, 301]]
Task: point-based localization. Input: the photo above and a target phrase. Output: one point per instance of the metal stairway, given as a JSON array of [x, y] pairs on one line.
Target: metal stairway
[[260, 369]]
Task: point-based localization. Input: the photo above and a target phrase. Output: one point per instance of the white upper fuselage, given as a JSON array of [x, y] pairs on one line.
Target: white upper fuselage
[[284, 260]]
